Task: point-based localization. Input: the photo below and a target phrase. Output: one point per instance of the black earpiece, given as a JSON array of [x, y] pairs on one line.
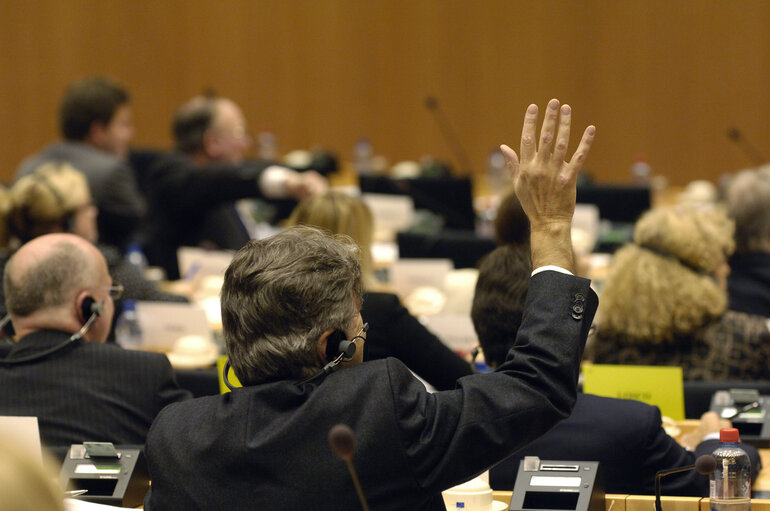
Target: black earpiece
[[336, 344], [90, 307]]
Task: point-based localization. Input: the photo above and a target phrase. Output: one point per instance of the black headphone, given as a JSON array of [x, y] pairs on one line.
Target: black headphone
[[345, 350], [338, 350], [89, 308]]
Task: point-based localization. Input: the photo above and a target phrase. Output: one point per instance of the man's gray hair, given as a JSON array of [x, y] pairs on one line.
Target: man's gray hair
[[748, 203], [280, 294], [46, 283]]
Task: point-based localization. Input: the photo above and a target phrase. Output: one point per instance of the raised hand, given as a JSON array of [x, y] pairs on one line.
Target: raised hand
[[545, 183]]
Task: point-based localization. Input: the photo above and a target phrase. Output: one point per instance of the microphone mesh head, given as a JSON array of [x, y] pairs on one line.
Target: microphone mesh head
[[705, 464], [343, 442]]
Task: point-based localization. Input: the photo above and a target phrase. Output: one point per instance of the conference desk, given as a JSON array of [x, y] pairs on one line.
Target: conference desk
[[615, 502]]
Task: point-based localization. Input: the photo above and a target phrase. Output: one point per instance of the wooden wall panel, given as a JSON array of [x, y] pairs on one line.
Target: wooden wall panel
[[665, 78]]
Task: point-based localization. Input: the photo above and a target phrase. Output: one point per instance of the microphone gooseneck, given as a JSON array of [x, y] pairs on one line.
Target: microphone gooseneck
[[450, 137], [704, 465], [343, 443], [735, 135]]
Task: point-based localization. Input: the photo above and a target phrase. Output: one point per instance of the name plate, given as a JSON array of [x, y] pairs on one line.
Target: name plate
[[655, 385]]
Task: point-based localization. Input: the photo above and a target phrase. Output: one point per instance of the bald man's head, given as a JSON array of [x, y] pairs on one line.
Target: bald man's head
[[49, 271]]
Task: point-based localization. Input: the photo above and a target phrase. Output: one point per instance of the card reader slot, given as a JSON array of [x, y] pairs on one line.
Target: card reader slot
[[553, 467]]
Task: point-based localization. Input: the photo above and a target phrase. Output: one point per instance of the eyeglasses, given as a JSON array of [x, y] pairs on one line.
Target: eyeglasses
[[115, 291]]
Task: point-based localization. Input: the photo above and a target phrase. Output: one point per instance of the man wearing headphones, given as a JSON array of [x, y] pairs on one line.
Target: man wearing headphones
[[59, 296], [264, 446]]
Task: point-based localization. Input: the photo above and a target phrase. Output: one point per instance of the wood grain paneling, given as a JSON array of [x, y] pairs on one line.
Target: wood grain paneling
[[664, 78]]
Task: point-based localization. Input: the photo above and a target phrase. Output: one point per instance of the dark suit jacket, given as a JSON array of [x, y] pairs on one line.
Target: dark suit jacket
[[87, 391], [192, 206], [265, 446], [111, 180], [627, 440], [393, 332], [749, 283]]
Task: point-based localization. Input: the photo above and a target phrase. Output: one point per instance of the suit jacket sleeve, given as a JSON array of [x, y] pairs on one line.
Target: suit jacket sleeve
[[184, 187], [454, 435], [663, 452]]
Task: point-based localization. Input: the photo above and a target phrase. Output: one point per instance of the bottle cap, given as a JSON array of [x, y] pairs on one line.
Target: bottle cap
[[729, 435]]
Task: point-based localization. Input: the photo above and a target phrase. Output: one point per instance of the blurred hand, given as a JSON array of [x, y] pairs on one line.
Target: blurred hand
[[301, 185], [710, 422]]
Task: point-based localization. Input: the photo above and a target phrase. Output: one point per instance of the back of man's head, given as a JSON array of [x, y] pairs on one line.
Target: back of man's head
[[748, 197], [46, 273], [93, 99], [498, 301], [280, 294], [191, 122]]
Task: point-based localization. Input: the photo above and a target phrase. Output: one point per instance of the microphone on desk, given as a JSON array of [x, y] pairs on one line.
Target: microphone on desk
[[450, 137], [705, 465], [747, 147], [343, 443]]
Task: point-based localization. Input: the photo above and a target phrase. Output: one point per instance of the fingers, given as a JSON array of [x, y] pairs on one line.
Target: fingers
[[511, 160], [548, 131], [528, 131], [562, 138], [576, 163]]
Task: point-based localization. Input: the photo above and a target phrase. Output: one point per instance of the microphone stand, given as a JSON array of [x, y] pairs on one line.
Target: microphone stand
[[661, 473]]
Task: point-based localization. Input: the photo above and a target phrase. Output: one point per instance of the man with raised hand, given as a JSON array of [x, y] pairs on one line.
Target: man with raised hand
[[288, 304]]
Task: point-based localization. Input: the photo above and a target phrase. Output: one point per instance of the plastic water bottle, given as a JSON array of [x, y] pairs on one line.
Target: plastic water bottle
[[362, 154], [730, 483], [128, 333], [641, 172], [136, 258], [268, 145], [497, 172]]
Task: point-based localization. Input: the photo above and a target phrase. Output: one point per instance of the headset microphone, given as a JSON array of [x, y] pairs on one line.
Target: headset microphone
[[89, 309]]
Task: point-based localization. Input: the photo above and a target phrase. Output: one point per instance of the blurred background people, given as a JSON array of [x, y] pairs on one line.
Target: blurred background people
[[96, 123], [56, 198], [192, 192], [393, 331], [748, 203], [665, 301]]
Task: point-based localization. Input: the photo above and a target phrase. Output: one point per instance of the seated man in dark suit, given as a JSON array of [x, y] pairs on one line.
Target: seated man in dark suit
[[97, 125], [59, 296], [748, 285], [625, 436], [191, 193], [289, 304]]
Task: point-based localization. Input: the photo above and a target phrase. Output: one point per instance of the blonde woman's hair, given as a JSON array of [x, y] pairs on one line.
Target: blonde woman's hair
[[25, 484], [339, 213], [663, 284], [41, 202]]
